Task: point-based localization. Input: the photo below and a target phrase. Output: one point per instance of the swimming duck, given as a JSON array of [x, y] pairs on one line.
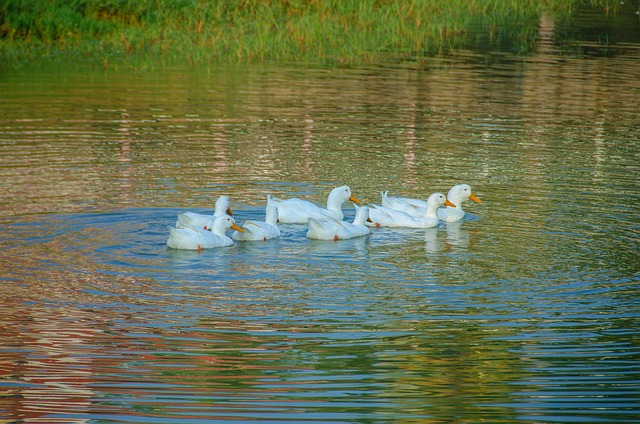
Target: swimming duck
[[261, 230], [193, 238], [457, 195], [198, 220], [333, 229], [297, 211], [387, 217]]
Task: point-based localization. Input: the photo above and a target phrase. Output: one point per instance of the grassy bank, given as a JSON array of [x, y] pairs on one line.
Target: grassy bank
[[211, 31]]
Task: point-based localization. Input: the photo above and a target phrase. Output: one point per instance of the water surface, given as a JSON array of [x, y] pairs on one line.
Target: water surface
[[527, 311]]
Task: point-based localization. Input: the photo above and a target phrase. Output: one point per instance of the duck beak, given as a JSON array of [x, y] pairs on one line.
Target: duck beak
[[475, 199], [235, 227], [448, 203], [229, 211], [369, 220], [353, 199]]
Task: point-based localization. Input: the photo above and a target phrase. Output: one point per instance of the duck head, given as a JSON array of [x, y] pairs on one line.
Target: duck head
[[341, 194], [461, 192]]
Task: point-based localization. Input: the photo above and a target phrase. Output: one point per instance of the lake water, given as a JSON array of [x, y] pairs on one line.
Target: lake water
[[526, 311]]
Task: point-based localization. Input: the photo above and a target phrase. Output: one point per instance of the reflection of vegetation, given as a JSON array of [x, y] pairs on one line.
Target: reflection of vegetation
[[332, 31], [449, 368], [589, 32]]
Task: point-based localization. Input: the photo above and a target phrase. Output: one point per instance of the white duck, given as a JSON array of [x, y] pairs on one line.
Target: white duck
[[193, 238], [198, 220], [259, 230], [458, 194], [297, 211], [333, 229], [386, 217]]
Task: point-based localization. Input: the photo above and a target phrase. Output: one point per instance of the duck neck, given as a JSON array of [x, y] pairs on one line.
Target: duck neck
[[219, 227], [221, 231], [222, 204], [432, 211], [334, 204], [360, 218], [456, 200]]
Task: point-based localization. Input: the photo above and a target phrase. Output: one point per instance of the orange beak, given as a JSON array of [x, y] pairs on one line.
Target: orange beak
[[353, 199], [448, 203], [229, 211], [475, 199], [235, 227]]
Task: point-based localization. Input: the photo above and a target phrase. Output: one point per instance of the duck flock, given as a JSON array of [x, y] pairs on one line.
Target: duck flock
[[194, 231]]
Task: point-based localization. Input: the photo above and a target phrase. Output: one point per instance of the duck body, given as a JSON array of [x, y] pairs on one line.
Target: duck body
[[457, 195], [415, 207], [198, 220], [193, 238], [298, 211], [402, 203], [387, 217], [261, 230], [333, 229]]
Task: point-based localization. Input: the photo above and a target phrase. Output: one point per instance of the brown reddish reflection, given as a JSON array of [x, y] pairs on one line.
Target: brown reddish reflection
[[48, 355]]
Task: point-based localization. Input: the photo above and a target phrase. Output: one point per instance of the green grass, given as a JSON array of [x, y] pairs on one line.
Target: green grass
[[214, 31]]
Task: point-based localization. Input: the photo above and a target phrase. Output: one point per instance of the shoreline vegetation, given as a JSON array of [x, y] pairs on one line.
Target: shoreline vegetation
[[329, 32]]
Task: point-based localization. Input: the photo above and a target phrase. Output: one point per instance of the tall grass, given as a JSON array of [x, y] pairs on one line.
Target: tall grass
[[209, 31]]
